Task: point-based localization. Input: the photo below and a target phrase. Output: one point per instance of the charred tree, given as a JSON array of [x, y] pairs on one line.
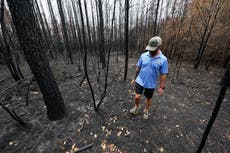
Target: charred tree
[[85, 56], [56, 34], [6, 52], [126, 37], [88, 27], [101, 34], [65, 33], [30, 38], [208, 29], [108, 60], [225, 83], [155, 20], [94, 29]]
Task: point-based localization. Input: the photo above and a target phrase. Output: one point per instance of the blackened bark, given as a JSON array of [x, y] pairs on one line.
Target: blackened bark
[[155, 21], [65, 33], [108, 60], [101, 34], [78, 29], [224, 85], [55, 28], [6, 51], [207, 33], [30, 38], [126, 37], [88, 27], [85, 56], [94, 45]]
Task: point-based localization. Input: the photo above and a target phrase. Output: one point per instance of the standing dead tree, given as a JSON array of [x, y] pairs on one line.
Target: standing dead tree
[[56, 34], [101, 34], [225, 83], [88, 27], [126, 37], [209, 24], [155, 20], [65, 33], [85, 54], [30, 39], [108, 59], [6, 53]]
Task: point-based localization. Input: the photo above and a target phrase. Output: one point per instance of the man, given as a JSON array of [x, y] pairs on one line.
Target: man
[[149, 66]]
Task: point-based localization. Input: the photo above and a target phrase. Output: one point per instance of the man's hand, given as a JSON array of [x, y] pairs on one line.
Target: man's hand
[[133, 82], [160, 91]]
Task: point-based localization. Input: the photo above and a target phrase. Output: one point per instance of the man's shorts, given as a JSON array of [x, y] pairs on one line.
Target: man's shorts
[[148, 92]]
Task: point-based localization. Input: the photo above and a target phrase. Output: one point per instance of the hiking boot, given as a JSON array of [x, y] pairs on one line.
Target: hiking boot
[[134, 110], [146, 115]]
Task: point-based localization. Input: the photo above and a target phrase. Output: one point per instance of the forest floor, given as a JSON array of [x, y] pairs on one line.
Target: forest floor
[[176, 124]]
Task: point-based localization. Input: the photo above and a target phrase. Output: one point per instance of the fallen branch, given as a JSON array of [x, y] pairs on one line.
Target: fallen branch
[[15, 116], [2, 80], [78, 86], [15, 84], [73, 77], [84, 148], [83, 79]]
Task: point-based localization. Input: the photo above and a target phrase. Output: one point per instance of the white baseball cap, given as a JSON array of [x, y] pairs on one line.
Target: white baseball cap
[[154, 42]]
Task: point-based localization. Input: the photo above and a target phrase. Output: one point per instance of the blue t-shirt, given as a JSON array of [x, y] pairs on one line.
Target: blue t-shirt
[[150, 69]]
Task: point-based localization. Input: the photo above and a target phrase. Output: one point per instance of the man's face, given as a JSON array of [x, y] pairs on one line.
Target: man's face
[[153, 53]]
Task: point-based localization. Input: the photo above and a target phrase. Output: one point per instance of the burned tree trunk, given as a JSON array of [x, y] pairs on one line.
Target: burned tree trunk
[[85, 56], [225, 83], [55, 29], [126, 37], [101, 34], [65, 33], [6, 51], [155, 21], [209, 27], [88, 27], [30, 38]]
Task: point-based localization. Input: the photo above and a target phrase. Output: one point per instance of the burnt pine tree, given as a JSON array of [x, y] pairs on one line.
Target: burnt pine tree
[[5, 51], [208, 29], [126, 37], [85, 55], [225, 84], [101, 34], [88, 26], [155, 21], [30, 38], [55, 29], [65, 33]]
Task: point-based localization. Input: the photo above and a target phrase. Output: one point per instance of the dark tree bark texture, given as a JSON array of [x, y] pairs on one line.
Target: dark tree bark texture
[[30, 38], [65, 33], [126, 37]]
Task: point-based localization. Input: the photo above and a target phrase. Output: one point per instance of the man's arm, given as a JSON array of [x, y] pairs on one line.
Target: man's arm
[[162, 84], [162, 81], [137, 71]]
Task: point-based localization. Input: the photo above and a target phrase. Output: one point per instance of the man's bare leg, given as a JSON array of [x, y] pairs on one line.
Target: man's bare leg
[[135, 109], [147, 108], [148, 103], [137, 100]]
